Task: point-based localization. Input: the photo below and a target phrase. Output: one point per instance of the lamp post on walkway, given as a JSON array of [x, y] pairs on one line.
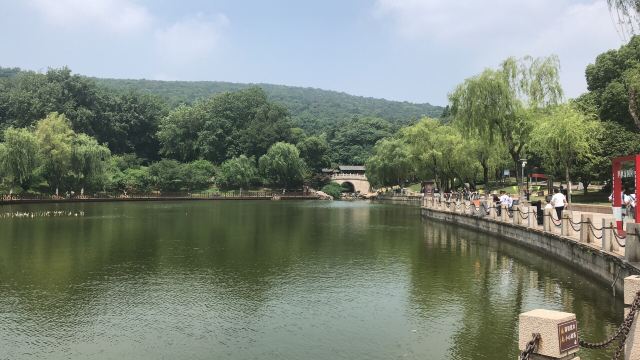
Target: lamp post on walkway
[[522, 189]]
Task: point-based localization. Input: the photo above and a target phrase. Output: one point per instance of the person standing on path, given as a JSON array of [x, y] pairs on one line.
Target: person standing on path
[[559, 201]]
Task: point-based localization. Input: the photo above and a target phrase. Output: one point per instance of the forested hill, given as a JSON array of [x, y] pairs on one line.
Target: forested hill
[[312, 109]]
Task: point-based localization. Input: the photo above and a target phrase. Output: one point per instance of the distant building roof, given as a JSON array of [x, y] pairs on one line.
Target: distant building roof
[[326, 170], [352, 168]]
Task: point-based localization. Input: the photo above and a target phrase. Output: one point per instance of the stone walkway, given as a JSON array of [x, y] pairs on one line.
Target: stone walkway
[[593, 229]]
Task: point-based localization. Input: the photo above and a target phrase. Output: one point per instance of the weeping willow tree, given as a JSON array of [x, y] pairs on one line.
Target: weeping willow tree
[[563, 137], [627, 13], [499, 105]]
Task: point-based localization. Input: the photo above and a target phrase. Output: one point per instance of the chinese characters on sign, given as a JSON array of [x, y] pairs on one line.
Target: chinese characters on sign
[[568, 335]]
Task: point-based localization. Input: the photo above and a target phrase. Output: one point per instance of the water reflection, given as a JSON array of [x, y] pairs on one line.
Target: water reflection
[[272, 280]]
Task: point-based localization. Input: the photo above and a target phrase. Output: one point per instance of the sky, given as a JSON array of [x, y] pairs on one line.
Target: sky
[[407, 50]]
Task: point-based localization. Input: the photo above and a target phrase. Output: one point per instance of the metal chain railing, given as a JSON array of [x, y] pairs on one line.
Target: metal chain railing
[[483, 210], [531, 347], [618, 237], [621, 333], [553, 221], [593, 227]]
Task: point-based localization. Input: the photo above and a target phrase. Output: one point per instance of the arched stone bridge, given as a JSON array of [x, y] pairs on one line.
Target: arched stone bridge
[[359, 182]]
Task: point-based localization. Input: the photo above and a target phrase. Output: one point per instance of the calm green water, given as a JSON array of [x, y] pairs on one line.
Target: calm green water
[[273, 280]]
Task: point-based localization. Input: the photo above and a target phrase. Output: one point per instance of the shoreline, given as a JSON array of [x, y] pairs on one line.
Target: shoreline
[[5, 202], [606, 267]]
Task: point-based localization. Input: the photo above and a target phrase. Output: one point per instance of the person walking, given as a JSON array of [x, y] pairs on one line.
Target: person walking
[[559, 202]]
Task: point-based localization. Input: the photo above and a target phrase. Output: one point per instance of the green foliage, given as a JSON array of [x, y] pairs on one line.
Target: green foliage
[[565, 136], [19, 158], [172, 176], [391, 163], [198, 174], [613, 82], [166, 175], [237, 173], [224, 126], [431, 150], [627, 13], [314, 151], [89, 162], [55, 139], [314, 110], [282, 166], [334, 189], [499, 105], [132, 180], [179, 132], [612, 141], [126, 121], [354, 139]]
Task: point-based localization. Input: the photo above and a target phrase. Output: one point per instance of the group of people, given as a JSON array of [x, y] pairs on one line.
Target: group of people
[[628, 202]]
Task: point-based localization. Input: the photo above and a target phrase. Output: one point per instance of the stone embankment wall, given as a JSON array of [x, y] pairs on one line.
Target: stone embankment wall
[[602, 258]]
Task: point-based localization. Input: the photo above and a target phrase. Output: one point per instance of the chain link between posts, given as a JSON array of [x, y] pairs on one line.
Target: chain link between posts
[[576, 226], [531, 347], [621, 333]]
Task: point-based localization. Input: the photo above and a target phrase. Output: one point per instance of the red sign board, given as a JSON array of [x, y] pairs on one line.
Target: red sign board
[[568, 335]]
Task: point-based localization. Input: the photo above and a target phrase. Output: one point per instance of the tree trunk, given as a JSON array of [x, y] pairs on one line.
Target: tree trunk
[[485, 176], [633, 103], [566, 171], [585, 184]]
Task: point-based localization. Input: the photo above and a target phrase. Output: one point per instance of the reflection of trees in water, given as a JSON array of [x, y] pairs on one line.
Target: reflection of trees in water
[[492, 282], [233, 259], [240, 250]]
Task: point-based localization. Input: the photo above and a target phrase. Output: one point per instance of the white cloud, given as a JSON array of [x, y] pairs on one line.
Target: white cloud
[[190, 40], [576, 30], [118, 16]]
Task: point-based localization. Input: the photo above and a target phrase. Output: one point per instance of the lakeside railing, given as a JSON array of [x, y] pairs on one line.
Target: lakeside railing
[[349, 176], [595, 230]]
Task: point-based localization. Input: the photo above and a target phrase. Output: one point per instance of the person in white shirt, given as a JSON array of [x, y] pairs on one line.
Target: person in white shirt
[[559, 201], [626, 202], [630, 201], [505, 200]]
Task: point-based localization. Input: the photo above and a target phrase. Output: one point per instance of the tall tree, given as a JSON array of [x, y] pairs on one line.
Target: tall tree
[[314, 150], [499, 104], [224, 126], [19, 157], [89, 162], [282, 166], [563, 137], [55, 138], [237, 173], [353, 139], [613, 82], [627, 13], [390, 163]]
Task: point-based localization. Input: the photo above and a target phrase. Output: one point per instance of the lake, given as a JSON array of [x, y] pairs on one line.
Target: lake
[[274, 280]]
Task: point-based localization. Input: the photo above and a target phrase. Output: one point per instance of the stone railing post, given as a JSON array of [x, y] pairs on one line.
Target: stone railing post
[[632, 243], [585, 233], [558, 334], [546, 220], [504, 213], [516, 215], [533, 216], [607, 235], [632, 346], [493, 214], [565, 229]]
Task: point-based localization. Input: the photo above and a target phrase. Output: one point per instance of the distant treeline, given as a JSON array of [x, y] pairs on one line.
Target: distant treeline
[[313, 110], [135, 140]]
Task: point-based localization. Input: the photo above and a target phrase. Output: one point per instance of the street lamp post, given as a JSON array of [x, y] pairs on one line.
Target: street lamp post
[[524, 163]]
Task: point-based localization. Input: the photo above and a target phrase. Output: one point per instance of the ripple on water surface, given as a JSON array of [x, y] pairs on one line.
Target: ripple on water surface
[[273, 280]]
